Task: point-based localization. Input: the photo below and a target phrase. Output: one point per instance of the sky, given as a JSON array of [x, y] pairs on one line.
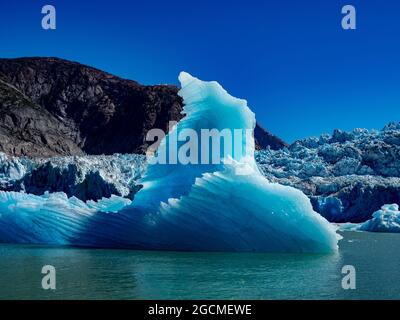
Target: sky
[[300, 72]]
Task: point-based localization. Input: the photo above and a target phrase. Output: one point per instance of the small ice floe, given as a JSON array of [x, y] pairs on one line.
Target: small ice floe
[[387, 219]]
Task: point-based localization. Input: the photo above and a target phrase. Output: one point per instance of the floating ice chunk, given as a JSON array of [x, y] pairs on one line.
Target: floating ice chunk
[[387, 219]]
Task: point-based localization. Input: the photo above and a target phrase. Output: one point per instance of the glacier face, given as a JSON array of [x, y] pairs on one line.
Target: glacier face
[[84, 177], [205, 207], [347, 175]]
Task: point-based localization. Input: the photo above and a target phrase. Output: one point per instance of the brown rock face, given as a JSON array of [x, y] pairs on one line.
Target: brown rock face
[[50, 106]]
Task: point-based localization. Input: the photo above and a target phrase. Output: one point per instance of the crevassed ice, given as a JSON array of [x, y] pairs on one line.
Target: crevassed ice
[[182, 207]]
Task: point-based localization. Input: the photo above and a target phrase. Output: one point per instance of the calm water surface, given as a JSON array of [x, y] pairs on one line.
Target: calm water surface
[[124, 274]]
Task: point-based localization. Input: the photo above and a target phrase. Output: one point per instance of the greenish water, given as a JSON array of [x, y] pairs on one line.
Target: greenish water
[[124, 274]]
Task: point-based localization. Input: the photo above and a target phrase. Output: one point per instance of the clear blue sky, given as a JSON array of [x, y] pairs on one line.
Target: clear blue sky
[[300, 72]]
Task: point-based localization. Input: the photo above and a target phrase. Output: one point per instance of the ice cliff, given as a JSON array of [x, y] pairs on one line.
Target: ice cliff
[[84, 177], [347, 175], [181, 207]]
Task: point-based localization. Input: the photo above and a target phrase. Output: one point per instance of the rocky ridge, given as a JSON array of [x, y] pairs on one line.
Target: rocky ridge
[[53, 107]]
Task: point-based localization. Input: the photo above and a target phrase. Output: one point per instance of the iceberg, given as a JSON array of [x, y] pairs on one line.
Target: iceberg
[[387, 219], [215, 206], [52, 218]]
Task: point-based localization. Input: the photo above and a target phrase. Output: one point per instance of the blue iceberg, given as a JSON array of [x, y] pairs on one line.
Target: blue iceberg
[[208, 205]]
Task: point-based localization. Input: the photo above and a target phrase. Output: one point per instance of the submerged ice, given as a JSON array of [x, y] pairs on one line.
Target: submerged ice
[[225, 206]]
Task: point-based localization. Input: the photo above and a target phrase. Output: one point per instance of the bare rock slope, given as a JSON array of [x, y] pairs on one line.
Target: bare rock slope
[[53, 107]]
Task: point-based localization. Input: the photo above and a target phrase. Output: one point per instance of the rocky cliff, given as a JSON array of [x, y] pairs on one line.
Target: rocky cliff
[[53, 107]]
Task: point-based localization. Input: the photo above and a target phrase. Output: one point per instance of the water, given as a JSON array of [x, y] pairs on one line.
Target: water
[[124, 274]]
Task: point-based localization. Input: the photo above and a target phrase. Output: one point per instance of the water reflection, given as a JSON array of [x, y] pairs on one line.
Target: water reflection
[[124, 274]]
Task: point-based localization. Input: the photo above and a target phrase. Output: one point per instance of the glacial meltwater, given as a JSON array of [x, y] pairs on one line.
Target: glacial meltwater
[[126, 274]]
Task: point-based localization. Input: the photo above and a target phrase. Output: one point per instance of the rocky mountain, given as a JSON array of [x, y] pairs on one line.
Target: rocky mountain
[[27, 128], [53, 107]]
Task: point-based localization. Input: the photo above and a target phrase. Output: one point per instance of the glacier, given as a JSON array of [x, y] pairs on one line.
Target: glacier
[[85, 177], [225, 206], [347, 175]]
